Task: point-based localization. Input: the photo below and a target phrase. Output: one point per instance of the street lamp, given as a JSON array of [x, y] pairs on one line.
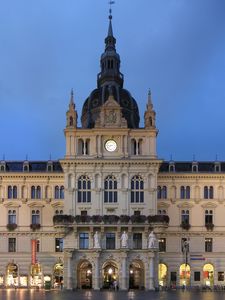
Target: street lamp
[[185, 249]]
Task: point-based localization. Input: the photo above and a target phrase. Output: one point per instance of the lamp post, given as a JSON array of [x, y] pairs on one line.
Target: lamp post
[[185, 248]]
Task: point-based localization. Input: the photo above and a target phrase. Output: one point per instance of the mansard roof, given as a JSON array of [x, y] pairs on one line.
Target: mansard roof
[[34, 166], [186, 167]]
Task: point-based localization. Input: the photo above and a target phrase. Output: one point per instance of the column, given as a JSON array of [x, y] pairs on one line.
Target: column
[[151, 274], [68, 283], [96, 273], [123, 281]]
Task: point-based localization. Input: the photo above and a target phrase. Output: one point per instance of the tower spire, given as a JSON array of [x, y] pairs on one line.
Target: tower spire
[[71, 114], [149, 113]]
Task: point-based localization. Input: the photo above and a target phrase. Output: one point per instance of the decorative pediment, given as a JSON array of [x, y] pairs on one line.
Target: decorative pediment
[[111, 115], [11, 204], [209, 205], [163, 205], [185, 205]]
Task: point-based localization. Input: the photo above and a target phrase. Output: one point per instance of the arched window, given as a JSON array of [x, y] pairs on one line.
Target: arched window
[[35, 217], [208, 192], [159, 192], [11, 217], [185, 216], [14, 192], [10, 192], [33, 192], [38, 192], [56, 192], [164, 192], [71, 121], [185, 192], [208, 216], [182, 192], [84, 189], [110, 192], [61, 192], [137, 189]]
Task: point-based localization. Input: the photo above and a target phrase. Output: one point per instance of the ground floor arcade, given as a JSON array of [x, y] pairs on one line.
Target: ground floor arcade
[[99, 269]]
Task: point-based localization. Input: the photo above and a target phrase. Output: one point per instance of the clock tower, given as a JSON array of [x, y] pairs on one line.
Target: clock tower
[[110, 171]]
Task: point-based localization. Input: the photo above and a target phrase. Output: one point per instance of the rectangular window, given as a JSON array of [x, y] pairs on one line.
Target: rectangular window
[[208, 244], [137, 240], [59, 245], [12, 245], [84, 240], [220, 276], [197, 276], [162, 245], [110, 241]]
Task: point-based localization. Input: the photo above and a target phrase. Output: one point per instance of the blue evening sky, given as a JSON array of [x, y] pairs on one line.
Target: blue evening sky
[[174, 47]]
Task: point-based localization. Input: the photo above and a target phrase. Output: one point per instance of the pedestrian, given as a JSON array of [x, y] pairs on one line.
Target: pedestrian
[[115, 285]]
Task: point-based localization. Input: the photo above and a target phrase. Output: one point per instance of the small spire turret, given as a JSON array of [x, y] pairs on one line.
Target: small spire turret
[[71, 115], [149, 113]]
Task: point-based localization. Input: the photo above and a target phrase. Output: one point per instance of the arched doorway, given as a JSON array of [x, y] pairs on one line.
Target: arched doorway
[[58, 275], [185, 275], [136, 275], [110, 275], [35, 275], [84, 275], [12, 275], [162, 274], [208, 274]]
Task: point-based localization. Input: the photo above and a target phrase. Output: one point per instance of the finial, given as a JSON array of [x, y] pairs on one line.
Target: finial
[[171, 157], [149, 97], [26, 156], [110, 9], [3, 157], [193, 157], [50, 157], [71, 96], [216, 157]]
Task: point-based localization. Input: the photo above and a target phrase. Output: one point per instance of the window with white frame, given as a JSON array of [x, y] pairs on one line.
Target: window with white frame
[[110, 189], [208, 216], [137, 189], [12, 216], [185, 192], [208, 192], [84, 189], [35, 216]]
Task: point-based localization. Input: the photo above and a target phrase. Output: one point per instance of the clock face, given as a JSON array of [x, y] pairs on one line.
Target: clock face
[[110, 145]]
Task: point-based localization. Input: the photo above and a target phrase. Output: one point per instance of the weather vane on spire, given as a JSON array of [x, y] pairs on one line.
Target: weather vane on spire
[[110, 8]]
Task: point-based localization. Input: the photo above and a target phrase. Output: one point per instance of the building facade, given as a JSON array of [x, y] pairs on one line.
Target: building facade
[[111, 214]]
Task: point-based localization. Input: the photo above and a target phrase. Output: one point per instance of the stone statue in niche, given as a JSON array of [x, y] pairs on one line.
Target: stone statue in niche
[[96, 240], [152, 241], [124, 240]]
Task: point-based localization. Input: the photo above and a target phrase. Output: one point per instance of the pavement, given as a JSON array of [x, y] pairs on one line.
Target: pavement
[[24, 294]]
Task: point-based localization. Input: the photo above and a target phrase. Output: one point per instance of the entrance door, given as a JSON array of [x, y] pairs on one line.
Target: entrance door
[[84, 272], [162, 275], [185, 275], [136, 275], [58, 275], [12, 275], [110, 275], [208, 275]]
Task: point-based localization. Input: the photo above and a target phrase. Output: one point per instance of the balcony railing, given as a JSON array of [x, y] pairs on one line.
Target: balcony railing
[[110, 219]]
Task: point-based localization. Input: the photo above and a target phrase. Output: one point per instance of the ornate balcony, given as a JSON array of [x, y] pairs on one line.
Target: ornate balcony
[[185, 225], [11, 227], [35, 226], [209, 226]]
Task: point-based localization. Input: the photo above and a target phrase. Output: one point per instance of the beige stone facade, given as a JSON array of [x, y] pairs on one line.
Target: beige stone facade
[[99, 217]]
